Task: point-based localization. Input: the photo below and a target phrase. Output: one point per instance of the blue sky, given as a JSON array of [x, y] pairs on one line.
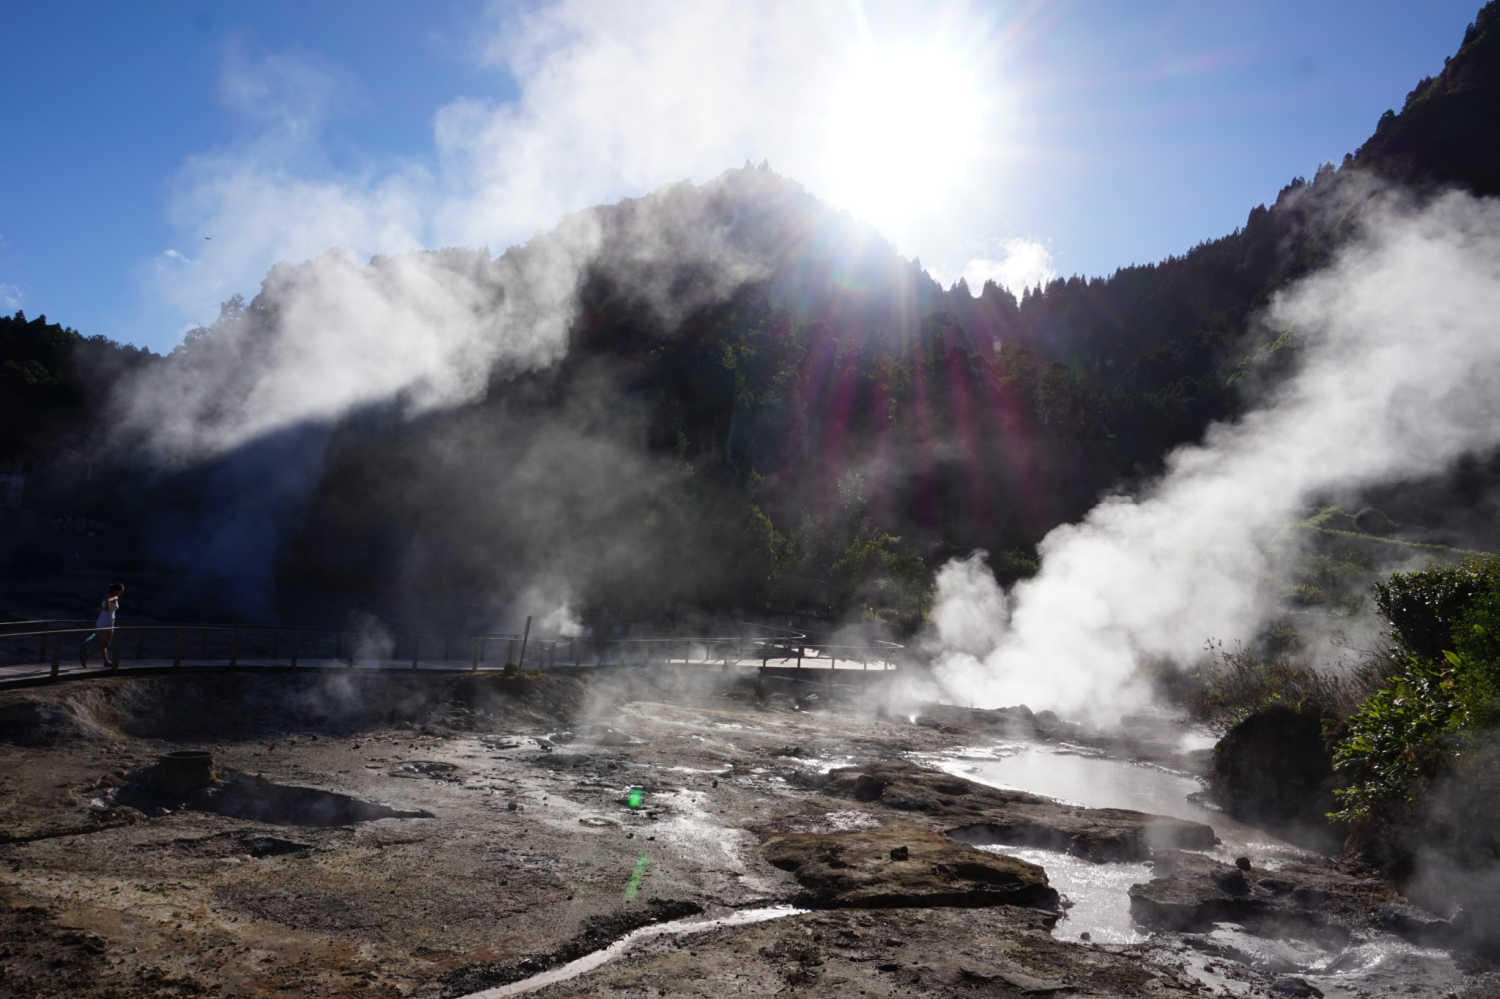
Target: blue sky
[[1011, 139]]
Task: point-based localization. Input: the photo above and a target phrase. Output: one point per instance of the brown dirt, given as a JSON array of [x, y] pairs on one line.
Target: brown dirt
[[532, 856]]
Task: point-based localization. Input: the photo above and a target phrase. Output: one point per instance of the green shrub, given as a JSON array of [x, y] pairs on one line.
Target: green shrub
[[1446, 624], [1398, 741], [1423, 607]]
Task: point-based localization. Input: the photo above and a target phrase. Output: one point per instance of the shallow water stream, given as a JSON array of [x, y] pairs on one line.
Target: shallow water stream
[[675, 927]]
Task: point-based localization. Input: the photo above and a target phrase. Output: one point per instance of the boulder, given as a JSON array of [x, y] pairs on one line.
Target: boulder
[[904, 865], [1191, 892], [1275, 770]]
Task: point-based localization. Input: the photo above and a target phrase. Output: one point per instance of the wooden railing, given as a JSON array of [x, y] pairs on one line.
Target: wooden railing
[[55, 652]]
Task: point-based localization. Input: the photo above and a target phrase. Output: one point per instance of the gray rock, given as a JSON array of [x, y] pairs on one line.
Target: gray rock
[[856, 869], [983, 815]]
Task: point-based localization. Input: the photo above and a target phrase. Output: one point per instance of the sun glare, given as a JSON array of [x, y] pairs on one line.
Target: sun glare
[[905, 127]]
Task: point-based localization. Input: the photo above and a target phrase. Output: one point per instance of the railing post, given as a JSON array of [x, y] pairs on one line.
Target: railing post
[[296, 646], [799, 657], [177, 649], [234, 647], [525, 636], [475, 649]]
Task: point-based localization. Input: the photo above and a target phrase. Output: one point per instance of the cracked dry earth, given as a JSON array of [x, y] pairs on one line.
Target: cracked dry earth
[[511, 845]]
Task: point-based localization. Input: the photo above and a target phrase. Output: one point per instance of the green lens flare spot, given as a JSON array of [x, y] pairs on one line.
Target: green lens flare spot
[[634, 884], [635, 796]]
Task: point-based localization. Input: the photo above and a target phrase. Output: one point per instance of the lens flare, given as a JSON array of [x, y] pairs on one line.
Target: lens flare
[[902, 129]]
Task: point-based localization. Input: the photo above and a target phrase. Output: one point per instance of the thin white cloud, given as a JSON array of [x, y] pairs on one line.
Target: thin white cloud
[[1025, 263], [10, 297], [291, 93]]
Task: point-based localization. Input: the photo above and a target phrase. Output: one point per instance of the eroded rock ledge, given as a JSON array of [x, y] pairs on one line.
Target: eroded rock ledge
[[1191, 892], [903, 864], [977, 814]]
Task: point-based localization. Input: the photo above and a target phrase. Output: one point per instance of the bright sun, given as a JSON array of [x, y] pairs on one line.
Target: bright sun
[[906, 126]]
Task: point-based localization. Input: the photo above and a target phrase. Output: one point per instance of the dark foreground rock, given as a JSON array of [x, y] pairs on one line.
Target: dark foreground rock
[[34, 723], [1275, 769], [242, 796], [904, 865], [1191, 893], [978, 814]]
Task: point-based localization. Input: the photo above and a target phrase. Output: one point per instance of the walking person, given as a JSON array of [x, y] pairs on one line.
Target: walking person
[[104, 628]]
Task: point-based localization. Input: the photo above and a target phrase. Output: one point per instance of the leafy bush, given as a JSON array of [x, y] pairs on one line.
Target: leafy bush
[[1398, 741], [1446, 624], [1423, 607]]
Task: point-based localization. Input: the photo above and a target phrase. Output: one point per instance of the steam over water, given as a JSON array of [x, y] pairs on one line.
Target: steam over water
[[1398, 360]]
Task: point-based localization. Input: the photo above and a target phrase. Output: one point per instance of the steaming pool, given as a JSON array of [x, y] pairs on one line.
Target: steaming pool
[[1097, 894], [1081, 776]]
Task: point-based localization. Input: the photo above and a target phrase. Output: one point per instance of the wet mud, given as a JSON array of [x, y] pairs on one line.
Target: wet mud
[[395, 835]]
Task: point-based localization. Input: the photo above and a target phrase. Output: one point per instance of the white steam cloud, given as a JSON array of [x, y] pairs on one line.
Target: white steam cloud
[[335, 335], [1024, 264], [1400, 358], [610, 100], [426, 330]]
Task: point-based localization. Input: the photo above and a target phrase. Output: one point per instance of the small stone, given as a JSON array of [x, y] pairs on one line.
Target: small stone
[[900, 853], [1232, 882], [1243, 863]]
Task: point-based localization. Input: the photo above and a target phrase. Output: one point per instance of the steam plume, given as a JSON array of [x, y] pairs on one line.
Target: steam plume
[[426, 330], [1399, 364], [248, 407]]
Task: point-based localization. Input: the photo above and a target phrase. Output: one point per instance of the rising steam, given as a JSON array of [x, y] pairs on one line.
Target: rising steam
[[243, 412], [1399, 362], [428, 330]]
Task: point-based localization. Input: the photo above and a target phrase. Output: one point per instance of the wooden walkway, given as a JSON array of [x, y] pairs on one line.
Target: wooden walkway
[[34, 652]]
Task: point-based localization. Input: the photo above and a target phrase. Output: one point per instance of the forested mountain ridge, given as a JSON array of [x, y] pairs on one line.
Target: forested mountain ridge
[[770, 408]]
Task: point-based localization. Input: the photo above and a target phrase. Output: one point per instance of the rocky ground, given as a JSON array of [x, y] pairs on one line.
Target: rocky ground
[[384, 834]]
